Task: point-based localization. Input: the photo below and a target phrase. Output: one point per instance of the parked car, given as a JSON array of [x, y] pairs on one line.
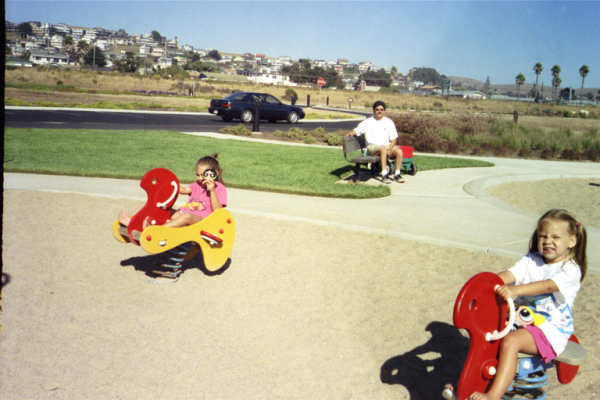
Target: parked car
[[241, 105]]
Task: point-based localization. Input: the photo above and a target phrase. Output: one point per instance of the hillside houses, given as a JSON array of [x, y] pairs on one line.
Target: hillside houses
[[63, 45]]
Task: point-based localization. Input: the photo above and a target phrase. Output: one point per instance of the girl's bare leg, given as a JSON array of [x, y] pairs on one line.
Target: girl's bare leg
[[182, 219], [519, 341], [124, 218]]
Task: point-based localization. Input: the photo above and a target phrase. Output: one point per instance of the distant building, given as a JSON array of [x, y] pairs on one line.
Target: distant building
[[42, 57], [12, 61], [272, 79]]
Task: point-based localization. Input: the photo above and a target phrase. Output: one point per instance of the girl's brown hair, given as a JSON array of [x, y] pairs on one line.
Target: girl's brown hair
[[212, 162], [575, 228]]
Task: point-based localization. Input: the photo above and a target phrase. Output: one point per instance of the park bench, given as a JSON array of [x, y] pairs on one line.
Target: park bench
[[355, 152]]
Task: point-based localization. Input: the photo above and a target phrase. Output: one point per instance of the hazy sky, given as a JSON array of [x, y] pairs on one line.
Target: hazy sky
[[473, 39]]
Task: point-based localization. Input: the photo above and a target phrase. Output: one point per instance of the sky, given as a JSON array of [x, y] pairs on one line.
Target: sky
[[475, 39]]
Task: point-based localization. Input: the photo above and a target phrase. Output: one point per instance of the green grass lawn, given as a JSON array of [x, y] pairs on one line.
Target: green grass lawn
[[252, 165]]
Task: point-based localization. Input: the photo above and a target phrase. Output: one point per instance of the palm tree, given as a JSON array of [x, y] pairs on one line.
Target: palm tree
[[519, 81], [555, 78], [556, 81], [583, 71], [537, 68]]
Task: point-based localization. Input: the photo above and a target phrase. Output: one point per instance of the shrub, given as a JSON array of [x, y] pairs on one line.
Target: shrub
[[282, 134], [547, 154], [568, 154], [452, 148], [291, 95], [309, 139], [426, 140], [592, 154], [239, 130], [405, 140], [501, 150], [318, 133], [333, 140], [297, 133], [524, 152]]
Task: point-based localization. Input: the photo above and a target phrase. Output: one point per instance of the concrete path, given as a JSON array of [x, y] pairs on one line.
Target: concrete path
[[447, 207]]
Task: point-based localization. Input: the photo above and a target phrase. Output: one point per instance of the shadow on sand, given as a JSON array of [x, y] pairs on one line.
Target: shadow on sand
[[151, 265], [427, 368]]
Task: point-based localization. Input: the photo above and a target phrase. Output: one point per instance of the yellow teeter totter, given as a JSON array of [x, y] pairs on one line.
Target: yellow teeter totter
[[214, 235]]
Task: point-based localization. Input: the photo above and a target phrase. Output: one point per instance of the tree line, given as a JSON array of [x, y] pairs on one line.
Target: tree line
[[565, 93]]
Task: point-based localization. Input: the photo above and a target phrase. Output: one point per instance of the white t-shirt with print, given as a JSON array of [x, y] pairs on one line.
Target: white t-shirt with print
[[557, 306], [378, 132]]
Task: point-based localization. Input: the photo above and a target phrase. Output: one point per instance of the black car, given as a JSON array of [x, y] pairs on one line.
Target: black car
[[241, 105]]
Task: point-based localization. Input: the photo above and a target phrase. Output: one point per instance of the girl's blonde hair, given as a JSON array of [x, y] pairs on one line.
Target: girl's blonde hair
[[212, 162], [575, 228]]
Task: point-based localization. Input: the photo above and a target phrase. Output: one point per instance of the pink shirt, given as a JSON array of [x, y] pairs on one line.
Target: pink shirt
[[199, 201]]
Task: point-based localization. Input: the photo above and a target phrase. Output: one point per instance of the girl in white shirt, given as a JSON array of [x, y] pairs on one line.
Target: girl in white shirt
[[548, 278]]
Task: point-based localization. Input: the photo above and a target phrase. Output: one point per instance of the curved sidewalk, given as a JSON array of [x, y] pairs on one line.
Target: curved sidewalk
[[447, 207]]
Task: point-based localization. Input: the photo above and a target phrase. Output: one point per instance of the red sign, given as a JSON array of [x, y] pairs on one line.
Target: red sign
[[321, 82]]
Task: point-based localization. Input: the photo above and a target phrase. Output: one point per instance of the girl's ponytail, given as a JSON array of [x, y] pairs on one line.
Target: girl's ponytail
[[579, 250]]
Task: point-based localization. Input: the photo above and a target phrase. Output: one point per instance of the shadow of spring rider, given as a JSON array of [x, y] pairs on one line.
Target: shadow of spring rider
[[213, 236], [484, 315]]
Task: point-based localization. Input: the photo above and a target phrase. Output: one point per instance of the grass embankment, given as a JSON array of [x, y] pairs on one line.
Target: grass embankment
[[252, 165]]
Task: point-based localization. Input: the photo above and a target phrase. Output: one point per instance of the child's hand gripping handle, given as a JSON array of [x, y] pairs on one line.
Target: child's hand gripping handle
[[495, 335]]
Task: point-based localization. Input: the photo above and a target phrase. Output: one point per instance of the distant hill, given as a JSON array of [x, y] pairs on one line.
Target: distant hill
[[470, 83], [466, 82]]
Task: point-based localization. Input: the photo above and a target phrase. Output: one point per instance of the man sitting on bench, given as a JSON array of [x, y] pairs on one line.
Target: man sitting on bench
[[380, 134]]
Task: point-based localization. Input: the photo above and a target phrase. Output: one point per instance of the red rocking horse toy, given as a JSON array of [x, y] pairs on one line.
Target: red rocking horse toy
[[484, 315], [213, 236]]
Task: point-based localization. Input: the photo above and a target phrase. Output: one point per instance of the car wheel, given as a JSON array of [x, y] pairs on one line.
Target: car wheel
[[292, 117], [246, 116]]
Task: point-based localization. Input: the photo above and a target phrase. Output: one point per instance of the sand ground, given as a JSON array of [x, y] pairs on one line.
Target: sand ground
[[302, 312]]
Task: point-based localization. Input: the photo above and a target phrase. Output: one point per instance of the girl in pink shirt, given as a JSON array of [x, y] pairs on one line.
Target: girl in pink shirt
[[207, 193]]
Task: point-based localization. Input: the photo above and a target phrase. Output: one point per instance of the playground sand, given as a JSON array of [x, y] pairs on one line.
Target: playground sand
[[303, 312], [579, 196]]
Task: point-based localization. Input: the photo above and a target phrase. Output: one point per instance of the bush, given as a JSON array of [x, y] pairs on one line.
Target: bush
[[452, 148], [282, 134], [592, 154], [239, 130], [501, 150], [547, 154], [524, 152], [309, 139], [426, 140], [291, 95], [333, 140], [568, 154]]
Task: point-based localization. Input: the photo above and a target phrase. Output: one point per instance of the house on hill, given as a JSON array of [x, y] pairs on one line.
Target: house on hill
[[43, 57]]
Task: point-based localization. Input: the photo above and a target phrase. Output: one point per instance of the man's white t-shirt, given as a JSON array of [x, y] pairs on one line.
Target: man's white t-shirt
[[557, 306], [378, 132]]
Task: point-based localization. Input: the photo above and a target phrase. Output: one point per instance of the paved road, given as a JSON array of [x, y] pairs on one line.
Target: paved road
[[40, 117]]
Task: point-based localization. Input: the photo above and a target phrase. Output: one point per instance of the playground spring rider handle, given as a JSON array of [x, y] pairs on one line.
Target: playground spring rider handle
[[495, 335]]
